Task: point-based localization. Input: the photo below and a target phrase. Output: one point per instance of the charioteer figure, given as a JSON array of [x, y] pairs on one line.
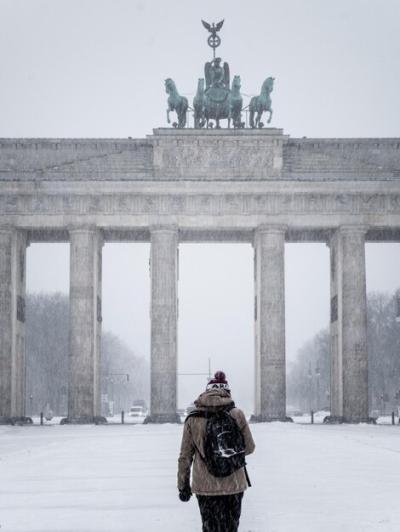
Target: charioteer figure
[[216, 75]]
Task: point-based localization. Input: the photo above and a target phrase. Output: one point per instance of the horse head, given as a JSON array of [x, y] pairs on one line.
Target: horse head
[[236, 83], [170, 87], [200, 87], [268, 85]]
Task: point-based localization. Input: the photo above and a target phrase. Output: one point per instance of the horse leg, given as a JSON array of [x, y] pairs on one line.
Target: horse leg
[[251, 119], [168, 119], [232, 116], [182, 119], [270, 116]]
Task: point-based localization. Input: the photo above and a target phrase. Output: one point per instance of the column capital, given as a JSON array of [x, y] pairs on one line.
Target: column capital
[[87, 229], [347, 229], [353, 228], [269, 229], [82, 228], [7, 228], [160, 228], [7, 231]]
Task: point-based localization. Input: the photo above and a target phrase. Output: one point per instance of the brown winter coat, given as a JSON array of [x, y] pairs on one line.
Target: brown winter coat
[[203, 483]]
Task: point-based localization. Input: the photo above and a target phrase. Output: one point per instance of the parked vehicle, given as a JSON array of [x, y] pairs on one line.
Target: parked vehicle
[[137, 411]]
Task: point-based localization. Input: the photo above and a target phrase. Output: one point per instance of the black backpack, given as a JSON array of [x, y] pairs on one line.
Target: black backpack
[[224, 446]]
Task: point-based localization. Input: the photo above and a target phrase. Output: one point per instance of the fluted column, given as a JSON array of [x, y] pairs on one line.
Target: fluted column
[[85, 325], [349, 358], [270, 367], [13, 244], [164, 310]]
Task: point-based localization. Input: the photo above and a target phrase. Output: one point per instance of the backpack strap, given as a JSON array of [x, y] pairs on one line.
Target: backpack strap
[[209, 412], [227, 410], [196, 413], [230, 407], [247, 476]]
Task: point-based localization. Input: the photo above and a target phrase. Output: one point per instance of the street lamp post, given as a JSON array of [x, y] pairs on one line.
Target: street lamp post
[[318, 374], [310, 386]]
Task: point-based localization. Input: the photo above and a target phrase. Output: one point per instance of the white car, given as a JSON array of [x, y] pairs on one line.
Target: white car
[[137, 411]]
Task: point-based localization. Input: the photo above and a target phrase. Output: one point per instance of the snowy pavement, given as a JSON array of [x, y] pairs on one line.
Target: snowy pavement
[[122, 478]]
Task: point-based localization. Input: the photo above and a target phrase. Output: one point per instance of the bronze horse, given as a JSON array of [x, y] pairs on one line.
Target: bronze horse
[[261, 103], [177, 103]]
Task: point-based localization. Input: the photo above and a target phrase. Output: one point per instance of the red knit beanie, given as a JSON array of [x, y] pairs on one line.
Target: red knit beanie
[[218, 382]]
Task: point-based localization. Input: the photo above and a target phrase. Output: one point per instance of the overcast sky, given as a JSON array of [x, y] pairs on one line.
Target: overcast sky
[[96, 68]]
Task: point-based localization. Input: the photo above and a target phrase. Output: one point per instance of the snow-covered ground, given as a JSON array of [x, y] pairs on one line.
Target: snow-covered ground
[[122, 478]]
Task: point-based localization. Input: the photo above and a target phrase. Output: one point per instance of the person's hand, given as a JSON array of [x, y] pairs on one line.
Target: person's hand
[[185, 493]]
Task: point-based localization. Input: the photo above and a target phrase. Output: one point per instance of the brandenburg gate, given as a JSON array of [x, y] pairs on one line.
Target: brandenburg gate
[[237, 184], [186, 185]]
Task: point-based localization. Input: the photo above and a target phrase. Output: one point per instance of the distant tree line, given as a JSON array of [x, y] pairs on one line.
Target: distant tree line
[[309, 376], [124, 376]]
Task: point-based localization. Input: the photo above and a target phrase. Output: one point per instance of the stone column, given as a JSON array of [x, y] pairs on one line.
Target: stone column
[[164, 311], [13, 244], [270, 370], [85, 325], [349, 358]]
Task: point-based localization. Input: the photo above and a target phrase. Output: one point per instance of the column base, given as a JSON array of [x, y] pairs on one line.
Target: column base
[[269, 419], [162, 418], [84, 420], [16, 420], [339, 420]]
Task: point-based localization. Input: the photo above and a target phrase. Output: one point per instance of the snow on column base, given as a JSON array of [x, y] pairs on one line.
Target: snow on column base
[[162, 418], [16, 420], [84, 420], [335, 420], [269, 419]]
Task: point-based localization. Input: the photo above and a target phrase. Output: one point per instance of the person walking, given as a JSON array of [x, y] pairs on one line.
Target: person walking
[[216, 438]]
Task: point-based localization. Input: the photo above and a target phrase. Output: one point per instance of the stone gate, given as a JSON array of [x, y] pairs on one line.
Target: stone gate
[[258, 186]]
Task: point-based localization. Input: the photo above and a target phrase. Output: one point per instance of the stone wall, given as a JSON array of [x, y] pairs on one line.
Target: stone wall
[[200, 155], [75, 159], [332, 159]]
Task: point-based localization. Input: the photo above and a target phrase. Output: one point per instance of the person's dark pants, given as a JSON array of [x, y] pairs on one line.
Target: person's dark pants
[[220, 513]]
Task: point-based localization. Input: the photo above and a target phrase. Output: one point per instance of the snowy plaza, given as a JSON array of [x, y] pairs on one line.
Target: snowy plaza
[[306, 478]]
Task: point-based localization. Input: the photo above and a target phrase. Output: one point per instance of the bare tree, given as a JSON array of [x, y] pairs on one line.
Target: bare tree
[[309, 375], [47, 317]]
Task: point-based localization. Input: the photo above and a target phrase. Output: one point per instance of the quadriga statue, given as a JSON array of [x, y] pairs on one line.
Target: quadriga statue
[[216, 99]]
